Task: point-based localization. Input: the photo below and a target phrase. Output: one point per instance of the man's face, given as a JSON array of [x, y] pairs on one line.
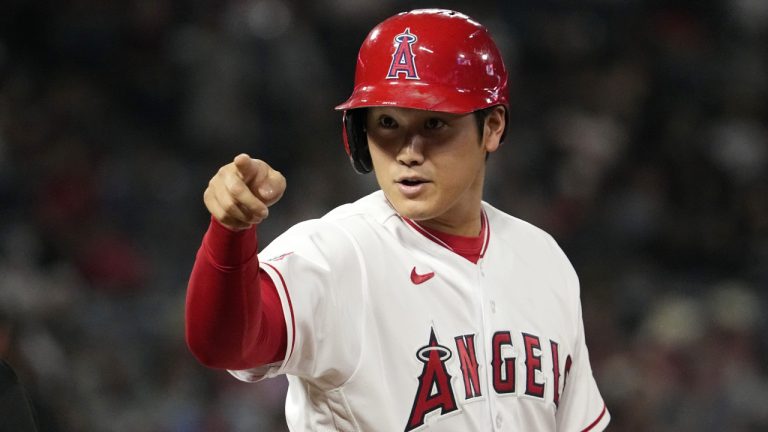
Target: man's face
[[431, 165]]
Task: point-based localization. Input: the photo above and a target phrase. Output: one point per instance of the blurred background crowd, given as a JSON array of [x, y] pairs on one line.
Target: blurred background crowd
[[638, 139]]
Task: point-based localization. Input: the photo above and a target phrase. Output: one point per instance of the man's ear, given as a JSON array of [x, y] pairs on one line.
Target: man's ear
[[495, 124]]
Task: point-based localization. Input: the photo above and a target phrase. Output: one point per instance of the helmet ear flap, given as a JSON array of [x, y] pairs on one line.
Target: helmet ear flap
[[356, 140]]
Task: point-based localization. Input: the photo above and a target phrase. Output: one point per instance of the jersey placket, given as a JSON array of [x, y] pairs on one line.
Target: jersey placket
[[487, 310], [487, 306]]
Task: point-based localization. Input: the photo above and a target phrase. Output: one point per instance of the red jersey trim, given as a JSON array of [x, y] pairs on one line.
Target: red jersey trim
[[426, 233], [457, 244], [597, 420], [290, 307], [486, 230]]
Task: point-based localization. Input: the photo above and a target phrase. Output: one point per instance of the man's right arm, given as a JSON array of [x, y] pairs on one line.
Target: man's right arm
[[234, 318]]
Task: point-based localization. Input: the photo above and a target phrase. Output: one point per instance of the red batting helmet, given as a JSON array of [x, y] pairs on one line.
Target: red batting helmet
[[427, 59]]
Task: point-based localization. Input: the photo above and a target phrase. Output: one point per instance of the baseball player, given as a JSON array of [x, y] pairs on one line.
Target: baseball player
[[419, 306]]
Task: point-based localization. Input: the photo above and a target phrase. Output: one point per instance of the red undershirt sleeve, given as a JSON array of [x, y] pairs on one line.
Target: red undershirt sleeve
[[234, 318]]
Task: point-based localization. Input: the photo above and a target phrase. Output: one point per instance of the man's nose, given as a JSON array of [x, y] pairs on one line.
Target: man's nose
[[412, 151]]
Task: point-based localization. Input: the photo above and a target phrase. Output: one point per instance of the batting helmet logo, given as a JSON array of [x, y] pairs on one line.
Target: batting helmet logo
[[403, 57]]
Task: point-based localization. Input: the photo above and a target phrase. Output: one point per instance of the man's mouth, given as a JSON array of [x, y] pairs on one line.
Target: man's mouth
[[411, 182], [411, 187]]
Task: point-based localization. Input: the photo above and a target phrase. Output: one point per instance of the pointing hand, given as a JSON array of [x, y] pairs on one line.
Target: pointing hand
[[240, 193]]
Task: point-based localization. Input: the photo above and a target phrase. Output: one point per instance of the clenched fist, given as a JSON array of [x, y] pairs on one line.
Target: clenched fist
[[240, 193]]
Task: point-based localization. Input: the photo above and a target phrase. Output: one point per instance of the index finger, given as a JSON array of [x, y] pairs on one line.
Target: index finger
[[252, 171]]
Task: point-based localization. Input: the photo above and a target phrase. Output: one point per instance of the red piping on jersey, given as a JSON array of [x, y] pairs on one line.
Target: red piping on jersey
[[597, 420], [468, 247], [290, 307], [423, 231], [486, 230]]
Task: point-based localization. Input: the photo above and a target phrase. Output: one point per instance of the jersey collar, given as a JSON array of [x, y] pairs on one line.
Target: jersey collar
[[471, 248]]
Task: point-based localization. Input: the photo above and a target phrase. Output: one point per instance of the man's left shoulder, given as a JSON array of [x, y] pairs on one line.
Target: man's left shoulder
[[504, 224], [516, 235]]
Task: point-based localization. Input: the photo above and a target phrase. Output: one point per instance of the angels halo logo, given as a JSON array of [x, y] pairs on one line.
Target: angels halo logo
[[403, 59]]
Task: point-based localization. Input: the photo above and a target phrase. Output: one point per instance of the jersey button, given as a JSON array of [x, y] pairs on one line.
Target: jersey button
[[498, 421], [493, 306]]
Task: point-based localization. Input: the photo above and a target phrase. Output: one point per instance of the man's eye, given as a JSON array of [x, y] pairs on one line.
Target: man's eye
[[387, 122], [434, 123]]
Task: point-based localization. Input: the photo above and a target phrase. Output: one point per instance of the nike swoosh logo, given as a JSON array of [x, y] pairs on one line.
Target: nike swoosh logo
[[420, 278]]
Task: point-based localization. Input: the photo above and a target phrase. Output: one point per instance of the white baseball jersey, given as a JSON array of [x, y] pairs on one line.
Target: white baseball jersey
[[390, 330]]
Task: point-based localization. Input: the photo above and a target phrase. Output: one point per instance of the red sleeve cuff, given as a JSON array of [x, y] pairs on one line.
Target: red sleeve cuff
[[227, 248]]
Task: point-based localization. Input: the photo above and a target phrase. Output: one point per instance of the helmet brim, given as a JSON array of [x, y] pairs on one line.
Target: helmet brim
[[423, 96]]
